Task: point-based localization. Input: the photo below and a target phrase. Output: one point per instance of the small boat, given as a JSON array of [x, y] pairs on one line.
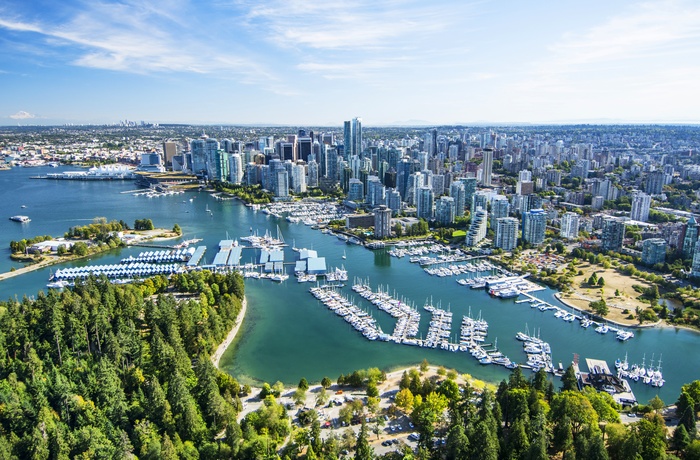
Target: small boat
[[21, 219], [344, 255]]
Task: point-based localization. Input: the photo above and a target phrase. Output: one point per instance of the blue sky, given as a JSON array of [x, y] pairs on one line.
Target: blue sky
[[303, 62]]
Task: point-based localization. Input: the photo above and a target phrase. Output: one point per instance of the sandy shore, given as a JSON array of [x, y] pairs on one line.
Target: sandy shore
[[216, 357]]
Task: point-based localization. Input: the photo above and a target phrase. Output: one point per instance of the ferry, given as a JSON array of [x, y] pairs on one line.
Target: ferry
[[21, 219]]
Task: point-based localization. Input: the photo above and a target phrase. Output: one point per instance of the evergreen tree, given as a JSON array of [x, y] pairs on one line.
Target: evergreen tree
[[681, 439], [685, 407], [457, 442], [363, 451], [568, 380]]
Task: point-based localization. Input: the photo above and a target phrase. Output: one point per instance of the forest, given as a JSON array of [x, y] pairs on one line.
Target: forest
[[124, 371]]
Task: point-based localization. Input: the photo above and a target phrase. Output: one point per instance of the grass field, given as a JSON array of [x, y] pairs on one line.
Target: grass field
[[628, 299]]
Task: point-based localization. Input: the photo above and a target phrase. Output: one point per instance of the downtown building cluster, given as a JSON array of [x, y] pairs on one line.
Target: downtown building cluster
[[519, 185]]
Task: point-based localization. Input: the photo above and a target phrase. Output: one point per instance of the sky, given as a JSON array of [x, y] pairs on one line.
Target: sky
[[317, 63]]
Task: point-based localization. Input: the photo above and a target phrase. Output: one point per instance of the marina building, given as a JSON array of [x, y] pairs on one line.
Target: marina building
[[506, 233], [534, 225], [477, 228], [654, 251], [382, 222]]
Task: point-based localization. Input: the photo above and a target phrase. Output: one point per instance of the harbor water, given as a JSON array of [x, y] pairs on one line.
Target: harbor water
[[287, 333]]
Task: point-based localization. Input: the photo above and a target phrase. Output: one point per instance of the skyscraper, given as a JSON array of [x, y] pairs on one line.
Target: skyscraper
[[640, 207], [655, 182], [534, 225], [487, 167], [506, 233], [352, 136]]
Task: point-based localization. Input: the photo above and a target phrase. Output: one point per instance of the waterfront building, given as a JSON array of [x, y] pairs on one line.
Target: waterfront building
[[424, 203], [218, 166], [236, 168], [477, 228], [280, 183], [382, 222], [613, 234], [170, 150], [151, 162], [312, 177], [569, 225], [691, 238], [445, 210], [457, 191], [640, 207], [199, 156], [298, 178], [507, 233], [500, 207], [487, 167], [534, 225], [331, 163], [654, 251]]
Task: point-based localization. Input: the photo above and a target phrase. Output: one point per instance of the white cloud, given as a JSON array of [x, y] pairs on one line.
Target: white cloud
[[143, 38], [22, 115]]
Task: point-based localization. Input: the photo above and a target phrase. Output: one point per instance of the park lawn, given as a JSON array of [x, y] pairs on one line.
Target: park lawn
[[614, 280]]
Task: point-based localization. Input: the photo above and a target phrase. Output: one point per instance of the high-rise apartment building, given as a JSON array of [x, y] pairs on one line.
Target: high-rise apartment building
[[655, 182], [654, 251], [382, 222], [445, 210], [457, 191], [640, 207], [534, 226], [507, 233], [424, 203], [477, 228], [569, 225], [613, 234], [236, 168], [500, 207], [487, 165], [691, 238]]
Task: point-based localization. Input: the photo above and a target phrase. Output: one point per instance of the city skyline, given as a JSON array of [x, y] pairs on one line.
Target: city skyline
[[396, 63]]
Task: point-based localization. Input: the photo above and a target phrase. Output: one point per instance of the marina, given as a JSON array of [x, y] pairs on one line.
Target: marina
[[286, 335]]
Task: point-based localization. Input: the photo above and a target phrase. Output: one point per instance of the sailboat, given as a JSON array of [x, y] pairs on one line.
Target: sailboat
[[344, 255]]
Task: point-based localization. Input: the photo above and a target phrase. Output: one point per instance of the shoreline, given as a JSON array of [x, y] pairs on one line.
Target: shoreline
[[55, 260], [660, 323], [221, 349]]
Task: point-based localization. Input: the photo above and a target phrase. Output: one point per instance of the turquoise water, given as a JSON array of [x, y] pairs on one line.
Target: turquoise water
[[287, 334]]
